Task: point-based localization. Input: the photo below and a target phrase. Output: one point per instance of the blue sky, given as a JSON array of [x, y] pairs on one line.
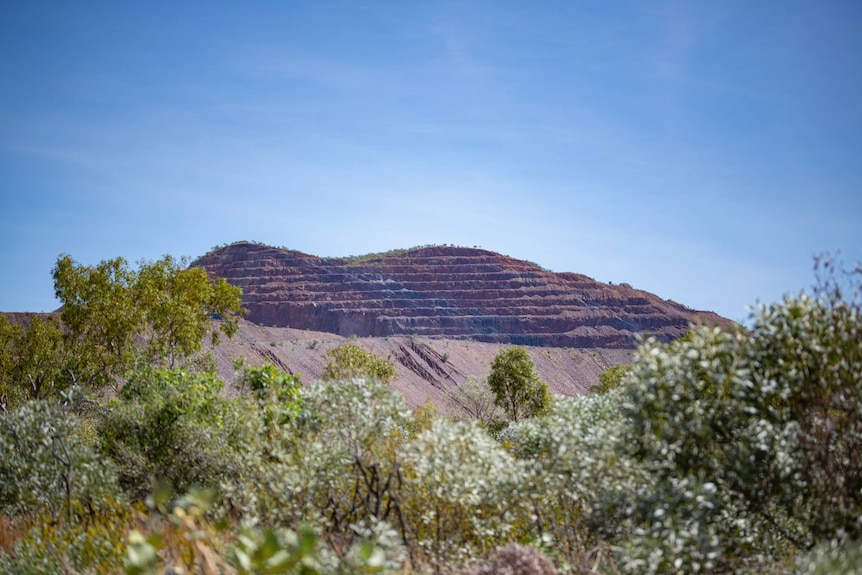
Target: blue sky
[[704, 151]]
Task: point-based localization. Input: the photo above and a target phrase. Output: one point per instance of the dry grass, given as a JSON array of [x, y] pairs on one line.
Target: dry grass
[[11, 530]]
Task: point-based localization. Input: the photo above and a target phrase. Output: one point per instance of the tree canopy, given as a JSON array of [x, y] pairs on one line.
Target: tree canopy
[[33, 361], [516, 385], [162, 311]]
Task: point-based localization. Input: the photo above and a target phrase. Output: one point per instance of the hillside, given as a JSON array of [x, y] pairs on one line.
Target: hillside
[[456, 293], [440, 314], [426, 366]]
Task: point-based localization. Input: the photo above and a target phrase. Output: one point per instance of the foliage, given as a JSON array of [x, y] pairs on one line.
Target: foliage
[[179, 302], [100, 313], [611, 378], [832, 558], [110, 310], [351, 465], [575, 481], [94, 546], [276, 392], [424, 416], [458, 493], [516, 385], [335, 464], [753, 438], [369, 257], [173, 425], [282, 551], [34, 362], [349, 361], [47, 467], [474, 400]]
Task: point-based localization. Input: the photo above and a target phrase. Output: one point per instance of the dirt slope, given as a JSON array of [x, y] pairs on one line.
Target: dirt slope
[[426, 366]]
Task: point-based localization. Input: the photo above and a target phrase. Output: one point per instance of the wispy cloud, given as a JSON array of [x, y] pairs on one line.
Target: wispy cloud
[[678, 31]]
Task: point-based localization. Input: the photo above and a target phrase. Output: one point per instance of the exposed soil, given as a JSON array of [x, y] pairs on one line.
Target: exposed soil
[[457, 293], [426, 366]]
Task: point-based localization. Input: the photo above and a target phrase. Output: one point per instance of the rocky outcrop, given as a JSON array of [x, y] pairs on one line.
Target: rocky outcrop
[[457, 293]]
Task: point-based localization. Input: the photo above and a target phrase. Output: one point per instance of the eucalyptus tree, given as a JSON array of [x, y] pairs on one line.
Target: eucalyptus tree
[[516, 385], [161, 313], [34, 361]]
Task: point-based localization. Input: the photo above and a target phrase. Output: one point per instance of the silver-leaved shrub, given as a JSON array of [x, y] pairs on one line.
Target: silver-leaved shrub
[[576, 482], [47, 465], [753, 438], [459, 495]]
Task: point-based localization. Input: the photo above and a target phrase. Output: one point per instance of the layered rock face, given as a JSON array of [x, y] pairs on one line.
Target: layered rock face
[[450, 292]]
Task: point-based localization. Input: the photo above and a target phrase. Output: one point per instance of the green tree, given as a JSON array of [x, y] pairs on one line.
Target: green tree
[[349, 361], [100, 315], [114, 315], [178, 302], [611, 378], [34, 362], [516, 385]]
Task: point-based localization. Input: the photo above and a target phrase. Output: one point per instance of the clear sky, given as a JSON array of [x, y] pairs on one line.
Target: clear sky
[[704, 151]]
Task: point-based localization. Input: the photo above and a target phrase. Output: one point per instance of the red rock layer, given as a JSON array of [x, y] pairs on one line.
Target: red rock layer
[[448, 292]]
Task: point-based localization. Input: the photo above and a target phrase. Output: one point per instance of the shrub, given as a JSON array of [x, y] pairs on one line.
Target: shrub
[[611, 378], [336, 464], [276, 392], [458, 494], [349, 361], [176, 426], [575, 482], [753, 438], [47, 467]]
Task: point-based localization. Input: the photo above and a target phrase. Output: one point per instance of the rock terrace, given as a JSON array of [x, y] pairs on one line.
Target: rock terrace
[[450, 292]]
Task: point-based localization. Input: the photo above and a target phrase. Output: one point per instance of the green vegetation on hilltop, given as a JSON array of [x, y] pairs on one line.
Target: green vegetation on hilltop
[[374, 256]]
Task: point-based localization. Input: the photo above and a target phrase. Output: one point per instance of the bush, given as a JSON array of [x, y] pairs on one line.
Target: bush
[[276, 392], [349, 361], [611, 378], [93, 546], [176, 426], [753, 438], [459, 494], [576, 483], [47, 467], [336, 464]]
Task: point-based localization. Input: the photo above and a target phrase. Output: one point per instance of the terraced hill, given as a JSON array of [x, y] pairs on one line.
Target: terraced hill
[[457, 293]]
